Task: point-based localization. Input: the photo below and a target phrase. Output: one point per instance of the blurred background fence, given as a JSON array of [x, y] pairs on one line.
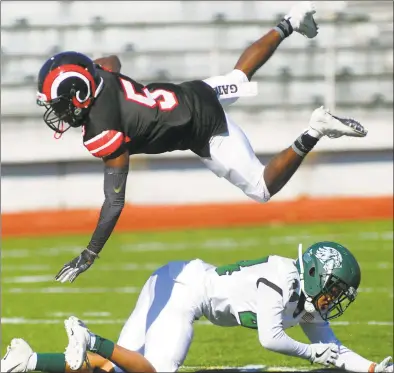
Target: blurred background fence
[[348, 68]]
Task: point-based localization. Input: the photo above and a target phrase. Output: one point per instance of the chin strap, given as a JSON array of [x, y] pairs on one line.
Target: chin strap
[[308, 306]]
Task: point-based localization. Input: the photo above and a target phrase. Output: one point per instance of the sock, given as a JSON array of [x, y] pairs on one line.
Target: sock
[[284, 28], [51, 363], [92, 341], [103, 347], [305, 143]]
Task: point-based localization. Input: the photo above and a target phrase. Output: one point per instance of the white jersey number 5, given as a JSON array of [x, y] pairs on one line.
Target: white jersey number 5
[[165, 99]]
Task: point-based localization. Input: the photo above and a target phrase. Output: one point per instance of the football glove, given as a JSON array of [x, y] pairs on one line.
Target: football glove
[[385, 366], [301, 19], [324, 353], [75, 267]]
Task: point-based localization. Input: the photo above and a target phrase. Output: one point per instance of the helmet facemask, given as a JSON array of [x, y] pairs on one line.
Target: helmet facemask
[[339, 295], [59, 111]]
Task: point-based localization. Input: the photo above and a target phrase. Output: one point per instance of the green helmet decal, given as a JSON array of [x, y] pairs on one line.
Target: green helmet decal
[[328, 269]]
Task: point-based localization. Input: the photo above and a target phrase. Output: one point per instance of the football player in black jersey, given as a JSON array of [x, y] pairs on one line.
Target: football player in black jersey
[[120, 117]]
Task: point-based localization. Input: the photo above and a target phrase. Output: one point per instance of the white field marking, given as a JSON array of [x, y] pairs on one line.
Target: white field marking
[[375, 290], [96, 314], [104, 267], [22, 320], [219, 244], [25, 267], [256, 368], [246, 368], [48, 252], [72, 290], [28, 279], [145, 267], [127, 289], [67, 314], [345, 323], [130, 267]]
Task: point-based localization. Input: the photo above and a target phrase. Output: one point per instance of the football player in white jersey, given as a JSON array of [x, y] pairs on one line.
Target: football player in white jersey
[[269, 294]]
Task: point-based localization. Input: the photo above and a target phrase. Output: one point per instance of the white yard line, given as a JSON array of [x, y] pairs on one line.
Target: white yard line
[[24, 267], [23, 321], [27, 279], [88, 314], [112, 267], [103, 267], [256, 368], [72, 290], [218, 244], [101, 290], [342, 323]]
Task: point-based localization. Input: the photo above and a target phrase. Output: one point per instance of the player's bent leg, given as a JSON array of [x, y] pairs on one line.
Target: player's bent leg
[[177, 303], [233, 158], [282, 166], [132, 335]]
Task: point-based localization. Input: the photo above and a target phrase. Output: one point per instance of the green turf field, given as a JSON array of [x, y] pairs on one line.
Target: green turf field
[[34, 305]]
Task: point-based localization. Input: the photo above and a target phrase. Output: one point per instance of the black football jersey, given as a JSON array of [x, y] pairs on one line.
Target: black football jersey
[[152, 119]]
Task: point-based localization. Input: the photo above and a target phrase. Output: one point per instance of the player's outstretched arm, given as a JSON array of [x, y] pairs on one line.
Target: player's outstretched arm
[[299, 19], [115, 176]]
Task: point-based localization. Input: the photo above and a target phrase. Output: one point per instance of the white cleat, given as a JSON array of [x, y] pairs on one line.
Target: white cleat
[[17, 356], [78, 342], [301, 18], [333, 127]]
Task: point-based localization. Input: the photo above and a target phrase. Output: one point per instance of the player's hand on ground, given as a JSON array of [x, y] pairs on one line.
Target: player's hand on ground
[[75, 267], [301, 19], [324, 353], [385, 366]]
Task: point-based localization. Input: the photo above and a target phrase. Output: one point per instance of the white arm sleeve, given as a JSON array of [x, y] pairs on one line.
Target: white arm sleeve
[[321, 332], [269, 321]]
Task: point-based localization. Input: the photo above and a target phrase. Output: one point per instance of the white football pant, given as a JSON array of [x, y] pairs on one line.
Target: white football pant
[[161, 325], [232, 155]]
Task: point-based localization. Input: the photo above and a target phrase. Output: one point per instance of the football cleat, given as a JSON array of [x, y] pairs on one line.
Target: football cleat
[[301, 19], [78, 342], [333, 127], [17, 356]]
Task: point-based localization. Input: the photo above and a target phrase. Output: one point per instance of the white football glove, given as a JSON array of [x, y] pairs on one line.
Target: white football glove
[[385, 366], [324, 353], [301, 19]]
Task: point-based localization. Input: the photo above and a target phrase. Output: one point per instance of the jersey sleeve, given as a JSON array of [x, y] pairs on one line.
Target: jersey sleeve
[[272, 294], [105, 144]]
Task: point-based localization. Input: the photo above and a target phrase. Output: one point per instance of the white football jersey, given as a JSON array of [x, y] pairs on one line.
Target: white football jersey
[[233, 291], [264, 294]]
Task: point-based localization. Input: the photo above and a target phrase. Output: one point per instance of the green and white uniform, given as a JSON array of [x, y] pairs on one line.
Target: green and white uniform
[[262, 294]]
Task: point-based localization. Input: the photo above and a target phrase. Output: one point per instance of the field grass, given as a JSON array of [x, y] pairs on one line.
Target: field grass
[[34, 305]]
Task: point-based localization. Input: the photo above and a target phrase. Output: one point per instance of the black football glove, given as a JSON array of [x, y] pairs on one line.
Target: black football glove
[[73, 269]]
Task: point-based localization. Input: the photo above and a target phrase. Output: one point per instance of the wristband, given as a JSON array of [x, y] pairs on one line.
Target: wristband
[[284, 28]]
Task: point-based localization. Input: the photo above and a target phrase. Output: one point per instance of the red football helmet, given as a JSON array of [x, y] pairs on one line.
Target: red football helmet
[[68, 83]]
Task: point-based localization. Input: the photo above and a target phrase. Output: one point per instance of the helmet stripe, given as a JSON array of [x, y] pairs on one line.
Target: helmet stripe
[[57, 72], [62, 77]]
